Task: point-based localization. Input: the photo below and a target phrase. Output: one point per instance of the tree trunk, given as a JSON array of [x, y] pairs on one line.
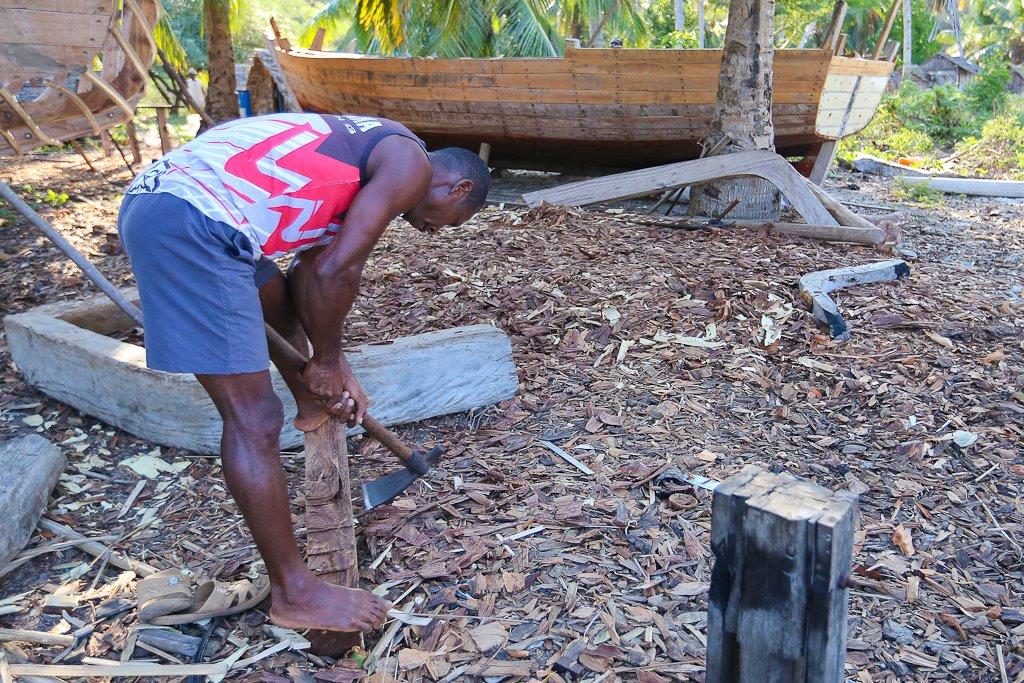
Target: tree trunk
[[680, 16], [221, 100], [908, 36], [743, 111], [701, 28]]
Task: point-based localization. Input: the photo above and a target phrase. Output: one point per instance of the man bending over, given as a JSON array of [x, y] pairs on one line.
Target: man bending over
[[200, 227]]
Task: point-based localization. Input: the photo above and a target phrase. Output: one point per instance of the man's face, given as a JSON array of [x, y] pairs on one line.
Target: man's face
[[443, 205]]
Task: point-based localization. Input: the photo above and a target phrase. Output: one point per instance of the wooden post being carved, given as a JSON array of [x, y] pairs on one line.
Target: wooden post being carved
[[777, 607], [330, 528]]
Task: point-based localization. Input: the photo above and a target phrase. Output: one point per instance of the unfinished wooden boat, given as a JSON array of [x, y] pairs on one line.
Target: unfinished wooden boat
[[598, 107], [49, 91]]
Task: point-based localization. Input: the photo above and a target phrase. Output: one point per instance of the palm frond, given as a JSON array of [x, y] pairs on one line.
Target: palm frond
[[167, 41], [526, 29], [337, 15], [386, 20], [455, 28]]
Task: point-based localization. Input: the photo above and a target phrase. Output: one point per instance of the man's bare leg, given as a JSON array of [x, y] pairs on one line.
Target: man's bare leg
[[277, 312], [252, 417]]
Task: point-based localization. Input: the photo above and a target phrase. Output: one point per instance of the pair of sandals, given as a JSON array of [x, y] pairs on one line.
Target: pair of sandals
[[173, 598]]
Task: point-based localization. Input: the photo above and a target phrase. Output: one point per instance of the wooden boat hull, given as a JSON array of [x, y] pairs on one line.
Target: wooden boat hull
[[47, 47], [597, 107]]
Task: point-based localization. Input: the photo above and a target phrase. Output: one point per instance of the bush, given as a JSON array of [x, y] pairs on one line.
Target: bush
[[986, 93]]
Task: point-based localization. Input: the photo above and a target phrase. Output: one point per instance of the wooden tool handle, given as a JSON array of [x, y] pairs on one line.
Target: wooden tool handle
[[388, 438]]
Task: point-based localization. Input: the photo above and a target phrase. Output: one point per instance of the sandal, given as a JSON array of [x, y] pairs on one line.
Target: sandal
[[163, 593], [215, 599]]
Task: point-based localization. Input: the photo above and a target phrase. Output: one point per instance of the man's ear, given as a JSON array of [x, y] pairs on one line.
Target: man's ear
[[463, 188]]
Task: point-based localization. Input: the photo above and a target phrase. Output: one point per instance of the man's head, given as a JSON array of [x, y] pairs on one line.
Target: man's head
[[457, 190]]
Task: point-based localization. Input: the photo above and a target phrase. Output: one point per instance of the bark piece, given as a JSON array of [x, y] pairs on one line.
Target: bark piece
[[29, 469]]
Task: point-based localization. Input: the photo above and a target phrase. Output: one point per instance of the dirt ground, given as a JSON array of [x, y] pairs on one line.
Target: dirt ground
[[921, 414]]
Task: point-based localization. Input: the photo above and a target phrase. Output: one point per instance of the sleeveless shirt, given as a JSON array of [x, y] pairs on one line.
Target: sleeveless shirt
[[283, 180]]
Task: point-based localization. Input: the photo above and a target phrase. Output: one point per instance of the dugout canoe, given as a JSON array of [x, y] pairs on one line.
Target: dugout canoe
[[593, 107], [49, 90]]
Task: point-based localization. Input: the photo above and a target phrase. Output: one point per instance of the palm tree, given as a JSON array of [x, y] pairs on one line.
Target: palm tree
[[217, 19], [477, 28], [221, 100]]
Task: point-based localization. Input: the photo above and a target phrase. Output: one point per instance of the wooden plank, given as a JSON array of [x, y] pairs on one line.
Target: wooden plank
[[64, 29], [441, 372], [29, 469], [760, 163], [981, 187], [816, 287], [118, 670], [161, 127]]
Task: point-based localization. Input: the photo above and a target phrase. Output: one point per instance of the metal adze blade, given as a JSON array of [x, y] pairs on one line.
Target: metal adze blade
[[388, 487]]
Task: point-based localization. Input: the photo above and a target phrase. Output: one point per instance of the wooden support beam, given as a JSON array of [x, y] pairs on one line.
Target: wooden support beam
[[129, 52], [485, 151], [890, 18], [133, 141], [778, 600], [823, 161], [835, 27], [318, 39], [78, 102], [841, 214], [760, 163], [11, 141], [29, 469], [109, 91], [15, 106], [161, 127]]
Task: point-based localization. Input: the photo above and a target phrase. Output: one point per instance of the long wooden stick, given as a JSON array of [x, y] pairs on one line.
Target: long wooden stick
[[890, 18], [97, 549], [105, 285]]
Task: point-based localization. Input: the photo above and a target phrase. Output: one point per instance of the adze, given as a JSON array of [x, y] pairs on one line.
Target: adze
[[417, 462]]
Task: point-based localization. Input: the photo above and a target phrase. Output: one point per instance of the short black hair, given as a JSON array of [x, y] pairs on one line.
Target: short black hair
[[467, 166]]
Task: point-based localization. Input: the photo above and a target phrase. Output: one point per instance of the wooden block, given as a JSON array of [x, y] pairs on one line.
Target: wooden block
[[777, 605], [29, 469], [410, 379]]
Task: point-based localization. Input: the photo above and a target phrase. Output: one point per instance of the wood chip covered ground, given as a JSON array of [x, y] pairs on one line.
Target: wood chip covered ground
[[639, 349]]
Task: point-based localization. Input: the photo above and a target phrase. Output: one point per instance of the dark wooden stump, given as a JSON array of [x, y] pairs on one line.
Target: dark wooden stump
[[778, 601]]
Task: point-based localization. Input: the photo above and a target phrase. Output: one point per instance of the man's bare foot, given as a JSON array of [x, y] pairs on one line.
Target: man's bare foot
[[321, 605], [310, 415]]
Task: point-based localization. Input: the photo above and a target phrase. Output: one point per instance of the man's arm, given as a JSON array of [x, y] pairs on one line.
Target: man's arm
[[325, 282]]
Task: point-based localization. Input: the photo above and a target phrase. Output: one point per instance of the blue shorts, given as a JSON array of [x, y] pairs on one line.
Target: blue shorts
[[199, 283]]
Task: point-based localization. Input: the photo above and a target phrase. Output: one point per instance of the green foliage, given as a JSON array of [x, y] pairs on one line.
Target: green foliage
[[913, 192], [986, 93], [942, 113], [48, 196], [979, 132]]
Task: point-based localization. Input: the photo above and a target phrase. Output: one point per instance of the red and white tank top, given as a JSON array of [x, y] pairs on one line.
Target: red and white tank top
[[283, 180]]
